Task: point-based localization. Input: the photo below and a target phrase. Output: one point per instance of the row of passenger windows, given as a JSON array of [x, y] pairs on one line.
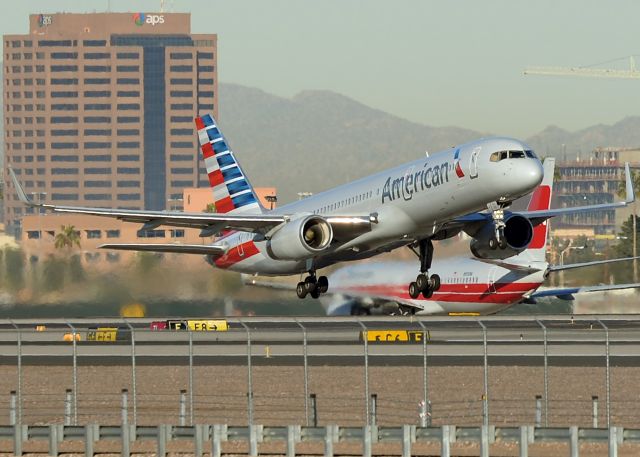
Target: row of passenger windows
[[345, 202], [461, 280], [502, 155]]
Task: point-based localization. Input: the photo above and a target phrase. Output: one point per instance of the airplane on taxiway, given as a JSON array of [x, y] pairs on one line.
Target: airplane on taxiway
[[465, 188], [469, 285]]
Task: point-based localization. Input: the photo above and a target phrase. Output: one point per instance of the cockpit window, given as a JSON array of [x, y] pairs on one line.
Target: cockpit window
[[516, 154], [501, 155], [530, 154], [498, 156]]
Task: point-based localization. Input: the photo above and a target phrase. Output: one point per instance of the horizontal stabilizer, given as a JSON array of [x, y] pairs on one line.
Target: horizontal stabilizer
[[572, 266], [566, 292], [201, 249]]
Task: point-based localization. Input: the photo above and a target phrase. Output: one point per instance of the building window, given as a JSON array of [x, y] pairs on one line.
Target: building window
[[181, 68], [97, 106], [97, 145], [205, 93], [97, 93], [182, 93], [64, 94], [64, 197], [97, 68], [177, 233], [128, 132], [64, 81], [97, 119], [181, 55], [182, 144], [113, 233], [182, 132], [187, 81], [70, 132], [182, 183], [97, 196], [129, 184], [64, 107], [151, 234], [97, 171], [128, 158], [181, 119], [97, 80], [128, 170], [97, 55], [128, 106], [97, 131], [128, 144], [64, 55], [128, 119], [205, 55], [128, 80], [95, 43], [181, 157], [185, 106], [33, 234], [128, 68], [97, 158], [128, 93], [205, 81], [69, 158], [57, 68], [128, 55], [64, 184], [43, 43], [205, 68], [64, 145], [97, 184], [64, 119], [182, 171]]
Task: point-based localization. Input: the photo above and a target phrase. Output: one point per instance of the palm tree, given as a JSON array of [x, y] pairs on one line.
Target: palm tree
[[211, 208], [67, 237], [622, 191]]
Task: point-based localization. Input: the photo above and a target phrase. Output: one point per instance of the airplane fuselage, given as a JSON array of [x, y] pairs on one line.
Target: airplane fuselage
[[411, 202]]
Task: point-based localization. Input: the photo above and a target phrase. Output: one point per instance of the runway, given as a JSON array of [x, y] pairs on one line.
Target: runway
[[580, 340]]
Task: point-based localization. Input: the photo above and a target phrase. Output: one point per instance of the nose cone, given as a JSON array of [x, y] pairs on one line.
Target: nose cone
[[530, 174]]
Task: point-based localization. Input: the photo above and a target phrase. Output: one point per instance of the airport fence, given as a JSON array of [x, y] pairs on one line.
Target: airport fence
[[50, 380]]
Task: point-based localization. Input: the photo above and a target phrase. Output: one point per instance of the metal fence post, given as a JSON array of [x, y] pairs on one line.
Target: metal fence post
[[406, 441], [68, 402], [74, 334], [198, 440], [366, 371], [524, 441], [425, 379], [538, 410], [594, 411], [613, 441], [366, 441], [134, 390], [484, 441], [292, 439], [162, 440], [328, 441], [306, 372], [546, 373], [12, 408], [125, 407], [608, 373], [190, 376], [314, 409], [53, 439], [18, 419], [573, 441], [249, 373], [182, 420], [374, 409], [485, 396], [445, 449], [88, 440], [126, 440], [17, 439]]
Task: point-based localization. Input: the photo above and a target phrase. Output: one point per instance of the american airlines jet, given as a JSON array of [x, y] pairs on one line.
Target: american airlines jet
[[469, 285], [467, 187]]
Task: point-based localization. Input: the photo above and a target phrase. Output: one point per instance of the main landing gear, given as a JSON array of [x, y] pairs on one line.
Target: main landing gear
[[424, 284], [312, 286]]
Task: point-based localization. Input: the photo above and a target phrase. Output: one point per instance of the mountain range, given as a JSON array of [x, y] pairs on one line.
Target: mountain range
[[319, 139]]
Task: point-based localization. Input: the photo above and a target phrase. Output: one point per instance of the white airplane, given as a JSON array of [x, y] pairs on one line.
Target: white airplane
[[431, 198], [468, 285]]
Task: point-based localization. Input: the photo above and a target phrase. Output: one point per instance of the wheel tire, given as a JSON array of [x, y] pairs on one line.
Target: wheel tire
[[422, 281], [435, 282], [493, 243], [323, 284], [503, 243], [315, 293], [310, 283], [414, 291], [301, 290], [427, 293]]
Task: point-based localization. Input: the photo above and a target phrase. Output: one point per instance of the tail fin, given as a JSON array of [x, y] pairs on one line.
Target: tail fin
[[541, 200], [232, 192]]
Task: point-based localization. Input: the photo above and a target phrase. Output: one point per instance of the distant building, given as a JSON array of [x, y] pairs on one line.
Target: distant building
[[99, 109], [196, 200]]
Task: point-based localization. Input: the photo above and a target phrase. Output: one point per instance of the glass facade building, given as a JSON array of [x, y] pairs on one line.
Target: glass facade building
[[99, 109]]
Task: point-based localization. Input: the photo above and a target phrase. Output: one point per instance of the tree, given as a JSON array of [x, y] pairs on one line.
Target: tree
[[211, 208], [67, 237]]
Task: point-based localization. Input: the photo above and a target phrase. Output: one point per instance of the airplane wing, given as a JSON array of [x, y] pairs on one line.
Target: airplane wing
[[566, 293], [571, 266], [201, 249], [344, 227]]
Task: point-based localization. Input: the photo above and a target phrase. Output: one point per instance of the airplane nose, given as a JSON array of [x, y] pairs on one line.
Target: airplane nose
[[532, 174]]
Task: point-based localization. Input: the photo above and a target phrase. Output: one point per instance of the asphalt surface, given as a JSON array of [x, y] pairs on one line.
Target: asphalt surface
[[451, 341]]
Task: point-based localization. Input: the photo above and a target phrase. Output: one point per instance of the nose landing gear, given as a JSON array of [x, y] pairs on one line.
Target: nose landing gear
[[424, 284], [499, 240], [312, 286]]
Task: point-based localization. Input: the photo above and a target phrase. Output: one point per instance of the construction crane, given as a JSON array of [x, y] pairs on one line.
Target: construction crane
[[589, 71]]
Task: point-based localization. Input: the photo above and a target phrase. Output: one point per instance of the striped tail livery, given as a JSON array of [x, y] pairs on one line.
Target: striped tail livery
[[232, 192]]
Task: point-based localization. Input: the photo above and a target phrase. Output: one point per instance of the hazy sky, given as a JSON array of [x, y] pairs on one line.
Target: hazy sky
[[434, 62]]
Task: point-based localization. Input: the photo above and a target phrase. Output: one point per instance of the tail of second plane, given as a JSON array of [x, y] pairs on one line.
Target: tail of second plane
[[232, 192], [540, 200]]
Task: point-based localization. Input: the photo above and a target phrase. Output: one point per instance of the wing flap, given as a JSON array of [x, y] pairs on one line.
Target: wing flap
[[201, 249]]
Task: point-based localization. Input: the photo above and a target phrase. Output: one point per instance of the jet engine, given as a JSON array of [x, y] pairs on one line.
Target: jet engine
[[300, 238], [518, 233]]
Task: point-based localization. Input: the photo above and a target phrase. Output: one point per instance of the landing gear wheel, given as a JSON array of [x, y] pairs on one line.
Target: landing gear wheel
[[310, 283], [427, 293], [435, 282], [323, 284], [315, 293], [422, 281], [414, 291], [503, 243], [301, 290], [493, 243]]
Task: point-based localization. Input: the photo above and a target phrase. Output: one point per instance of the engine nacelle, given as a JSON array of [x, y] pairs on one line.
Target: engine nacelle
[[300, 239], [518, 233]]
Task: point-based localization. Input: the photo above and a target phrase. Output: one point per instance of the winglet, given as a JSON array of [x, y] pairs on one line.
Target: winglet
[[22, 196], [631, 196]]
